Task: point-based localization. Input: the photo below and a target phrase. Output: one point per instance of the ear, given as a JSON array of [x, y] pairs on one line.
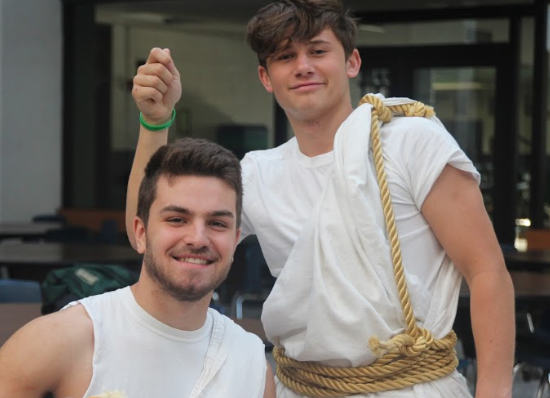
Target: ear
[[140, 235], [237, 236], [264, 78], [353, 64]]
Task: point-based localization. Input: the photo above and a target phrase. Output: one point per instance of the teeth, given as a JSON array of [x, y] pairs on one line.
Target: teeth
[[194, 261]]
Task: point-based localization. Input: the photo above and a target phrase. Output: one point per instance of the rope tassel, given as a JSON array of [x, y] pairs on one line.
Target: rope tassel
[[406, 359]]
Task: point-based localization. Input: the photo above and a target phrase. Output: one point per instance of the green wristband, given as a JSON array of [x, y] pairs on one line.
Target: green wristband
[[157, 127]]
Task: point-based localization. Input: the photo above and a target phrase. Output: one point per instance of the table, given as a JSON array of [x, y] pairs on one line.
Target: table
[[530, 260], [34, 260], [25, 230]]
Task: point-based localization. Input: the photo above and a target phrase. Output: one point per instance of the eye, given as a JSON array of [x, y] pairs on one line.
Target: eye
[[318, 51], [284, 57], [176, 220], [218, 224]]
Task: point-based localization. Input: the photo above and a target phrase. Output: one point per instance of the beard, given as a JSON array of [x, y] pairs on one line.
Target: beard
[[191, 292]]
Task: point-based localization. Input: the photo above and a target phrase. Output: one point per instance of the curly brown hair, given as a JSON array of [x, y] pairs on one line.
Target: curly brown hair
[[298, 20]]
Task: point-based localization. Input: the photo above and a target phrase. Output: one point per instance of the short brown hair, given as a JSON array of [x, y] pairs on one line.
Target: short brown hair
[[298, 20], [190, 157]]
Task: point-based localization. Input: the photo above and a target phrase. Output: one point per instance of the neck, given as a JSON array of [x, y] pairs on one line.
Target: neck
[[315, 135], [163, 307]]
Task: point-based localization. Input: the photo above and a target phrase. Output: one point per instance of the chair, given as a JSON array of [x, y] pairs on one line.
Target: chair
[[533, 347], [256, 282], [19, 291], [108, 232]]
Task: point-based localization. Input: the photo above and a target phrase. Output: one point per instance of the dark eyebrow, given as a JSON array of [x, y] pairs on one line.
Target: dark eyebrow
[[186, 211], [175, 209], [319, 41], [222, 213], [290, 44]]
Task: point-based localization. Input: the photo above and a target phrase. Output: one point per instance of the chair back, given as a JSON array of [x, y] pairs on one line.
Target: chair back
[[68, 234], [19, 291], [108, 233], [256, 278]]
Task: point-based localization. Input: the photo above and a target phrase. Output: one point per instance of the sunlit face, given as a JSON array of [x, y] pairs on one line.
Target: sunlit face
[[191, 235], [311, 78]]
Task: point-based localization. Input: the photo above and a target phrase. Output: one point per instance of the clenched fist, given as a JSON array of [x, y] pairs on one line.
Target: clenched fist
[[157, 87]]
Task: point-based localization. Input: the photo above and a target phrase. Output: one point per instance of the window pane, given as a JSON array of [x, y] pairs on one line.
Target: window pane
[[432, 33]]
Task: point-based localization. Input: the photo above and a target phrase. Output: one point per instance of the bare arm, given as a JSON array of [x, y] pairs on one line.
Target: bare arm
[[156, 90], [269, 391], [50, 354], [455, 211]]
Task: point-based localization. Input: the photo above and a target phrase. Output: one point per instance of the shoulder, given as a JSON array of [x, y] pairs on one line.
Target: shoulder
[[267, 160], [269, 155], [410, 140], [59, 328], [247, 338], [46, 349], [241, 338], [251, 334], [243, 367], [415, 129], [418, 149]]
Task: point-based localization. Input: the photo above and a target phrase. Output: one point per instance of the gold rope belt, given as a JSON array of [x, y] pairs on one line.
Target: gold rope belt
[[409, 358]]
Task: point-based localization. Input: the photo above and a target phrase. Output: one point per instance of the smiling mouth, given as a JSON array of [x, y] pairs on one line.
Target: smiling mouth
[[304, 86], [191, 260]]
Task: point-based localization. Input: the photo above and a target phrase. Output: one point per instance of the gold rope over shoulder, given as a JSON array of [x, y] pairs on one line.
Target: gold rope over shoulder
[[409, 358]]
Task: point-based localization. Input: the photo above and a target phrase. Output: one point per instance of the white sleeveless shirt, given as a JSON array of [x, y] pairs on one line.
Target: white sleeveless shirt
[[142, 357]]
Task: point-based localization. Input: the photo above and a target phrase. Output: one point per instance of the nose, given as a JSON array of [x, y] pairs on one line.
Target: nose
[[303, 64], [196, 236]]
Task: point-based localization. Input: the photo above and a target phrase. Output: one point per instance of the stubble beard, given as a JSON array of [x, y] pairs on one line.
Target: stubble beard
[[191, 293]]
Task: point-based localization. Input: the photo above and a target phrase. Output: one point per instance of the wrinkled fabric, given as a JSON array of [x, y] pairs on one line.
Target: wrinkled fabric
[[337, 288]]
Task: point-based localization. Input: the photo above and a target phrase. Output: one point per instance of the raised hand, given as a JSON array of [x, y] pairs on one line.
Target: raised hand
[[157, 87]]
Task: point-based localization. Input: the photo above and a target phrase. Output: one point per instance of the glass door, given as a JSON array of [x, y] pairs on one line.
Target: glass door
[[464, 101], [469, 88]]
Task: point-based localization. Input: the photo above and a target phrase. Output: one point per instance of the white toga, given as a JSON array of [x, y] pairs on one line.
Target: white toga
[[320, 225]]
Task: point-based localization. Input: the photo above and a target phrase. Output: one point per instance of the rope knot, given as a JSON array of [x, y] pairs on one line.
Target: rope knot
[[403, 343], [419, 109], [384, 113]]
